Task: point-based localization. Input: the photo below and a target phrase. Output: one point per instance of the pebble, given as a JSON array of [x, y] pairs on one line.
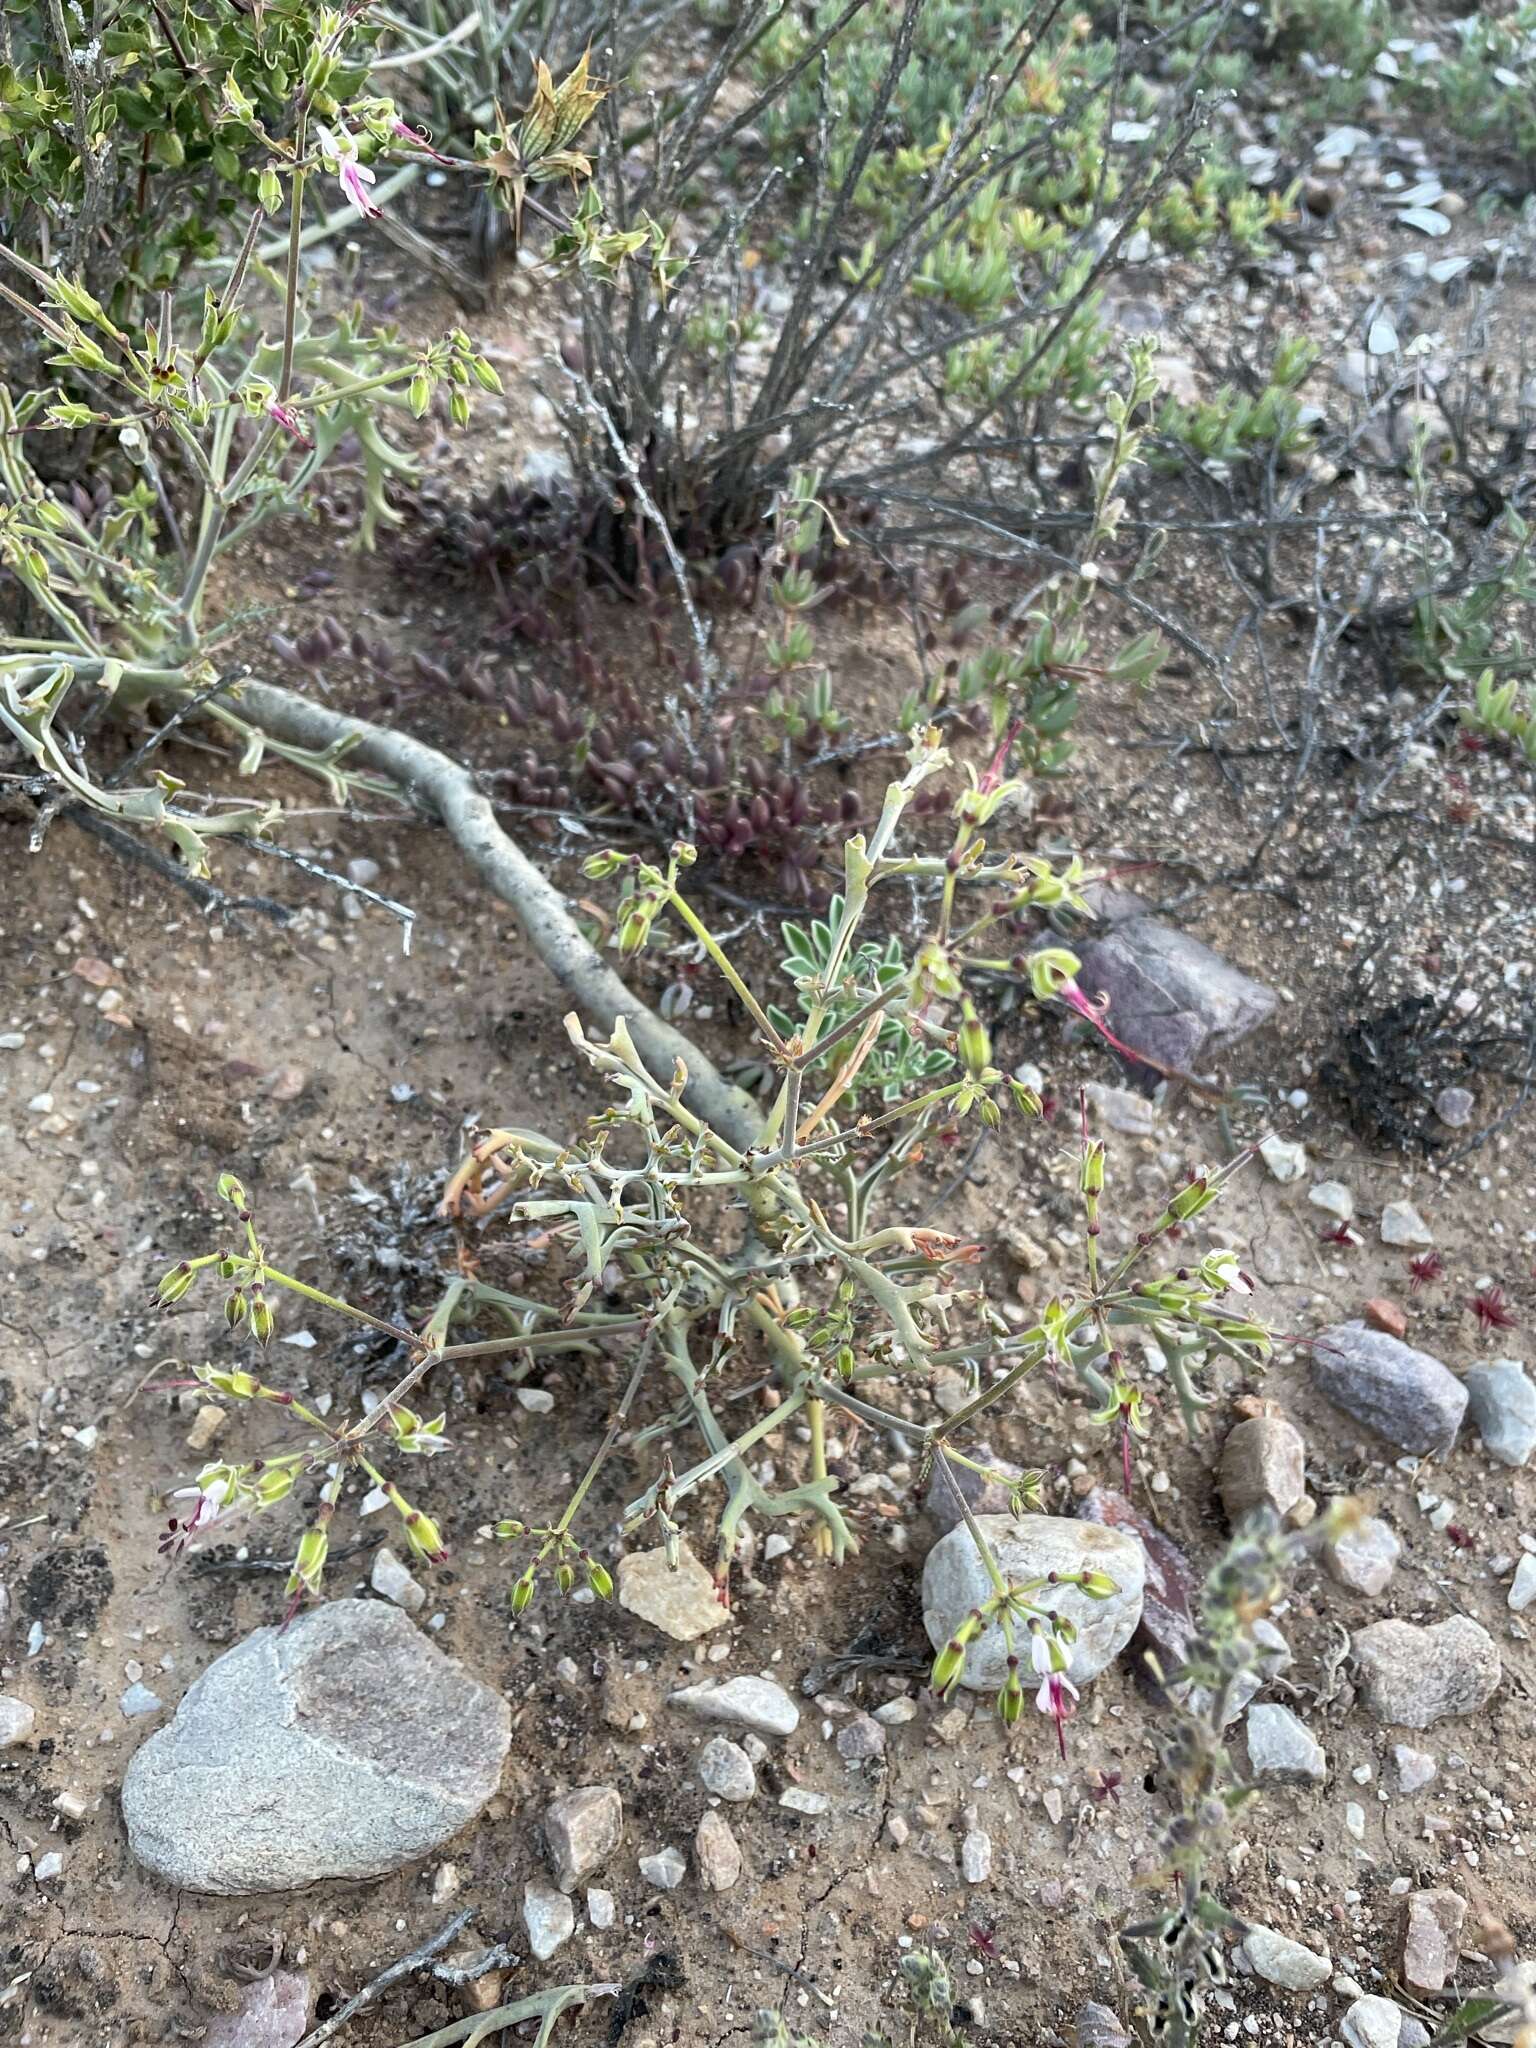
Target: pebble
[[955, 1581], [860, 1738], [1454, 1107], [896, 1713], [602, 1909], [683, 1604], [1416, 1768], [976, 1857], [1413, 1677], [1283, 1747], [726, 1770], [207, 1426], [49, 1866], [664, 1868], [1372, 2023], [1523, 1591], [1286, 1162], [755, 1703], [1363, 1557], [1403, 1394], [717, 1852], [137, 1700], [1431, 1938], [17, 1720], [1502, 1405], [1263, 1464], [72, 1805], [344, 1746], [1402, 1224], [1385, 1315], [1333, 1198], [801, 1799], [1132, 1115], [391, 1578], [581, 1831], [1097, 2027], [549, 1917], [272, 2013], [1279, 1960], [537, 1400]]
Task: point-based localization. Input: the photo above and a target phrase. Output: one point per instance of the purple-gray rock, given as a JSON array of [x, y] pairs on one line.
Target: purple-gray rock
[[346, 1745], [1169, 996], [982, 1496], [1167, 1626], [274, 2013], [1404, 1395]]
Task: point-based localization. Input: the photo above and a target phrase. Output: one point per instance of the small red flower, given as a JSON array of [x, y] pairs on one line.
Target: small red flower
[[1340, 1234], [1491, 1307], [1426, 1267]]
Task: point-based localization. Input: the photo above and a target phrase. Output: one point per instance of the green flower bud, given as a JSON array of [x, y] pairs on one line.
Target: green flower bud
[[522, 1592], [1050, 970], [599, 1578], [175, 1284], [420, 394]]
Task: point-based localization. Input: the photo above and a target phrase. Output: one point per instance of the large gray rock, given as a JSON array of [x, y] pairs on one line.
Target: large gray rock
[[1503, 1404], [343, 1746], [1412, 1677], [1169, 996], [955, 1580], [1405, 1395]]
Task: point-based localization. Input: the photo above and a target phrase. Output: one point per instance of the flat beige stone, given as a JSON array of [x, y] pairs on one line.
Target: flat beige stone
[[682, 1604]]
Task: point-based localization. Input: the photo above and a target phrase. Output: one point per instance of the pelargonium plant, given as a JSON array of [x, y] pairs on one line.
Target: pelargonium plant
[[806, 1283]]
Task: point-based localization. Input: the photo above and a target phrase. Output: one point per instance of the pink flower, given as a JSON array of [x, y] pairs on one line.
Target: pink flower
[[1090, 1013], [419, 141], [1052, 1699], [207, 1503], [1057, 1695], [353, 176], [288, 420]]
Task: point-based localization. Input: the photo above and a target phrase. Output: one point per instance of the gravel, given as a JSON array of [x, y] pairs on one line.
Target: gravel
[[1279, 1960], [716, 1852], [756, 1703], [1263, 1464], [1431, 1939], [1502, 1405], [683, 1604], [1364, 1557], [581, 1831], [17, 1720], [1283, 1747], [549, 1917], [726, 1770], [664, 1868]]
